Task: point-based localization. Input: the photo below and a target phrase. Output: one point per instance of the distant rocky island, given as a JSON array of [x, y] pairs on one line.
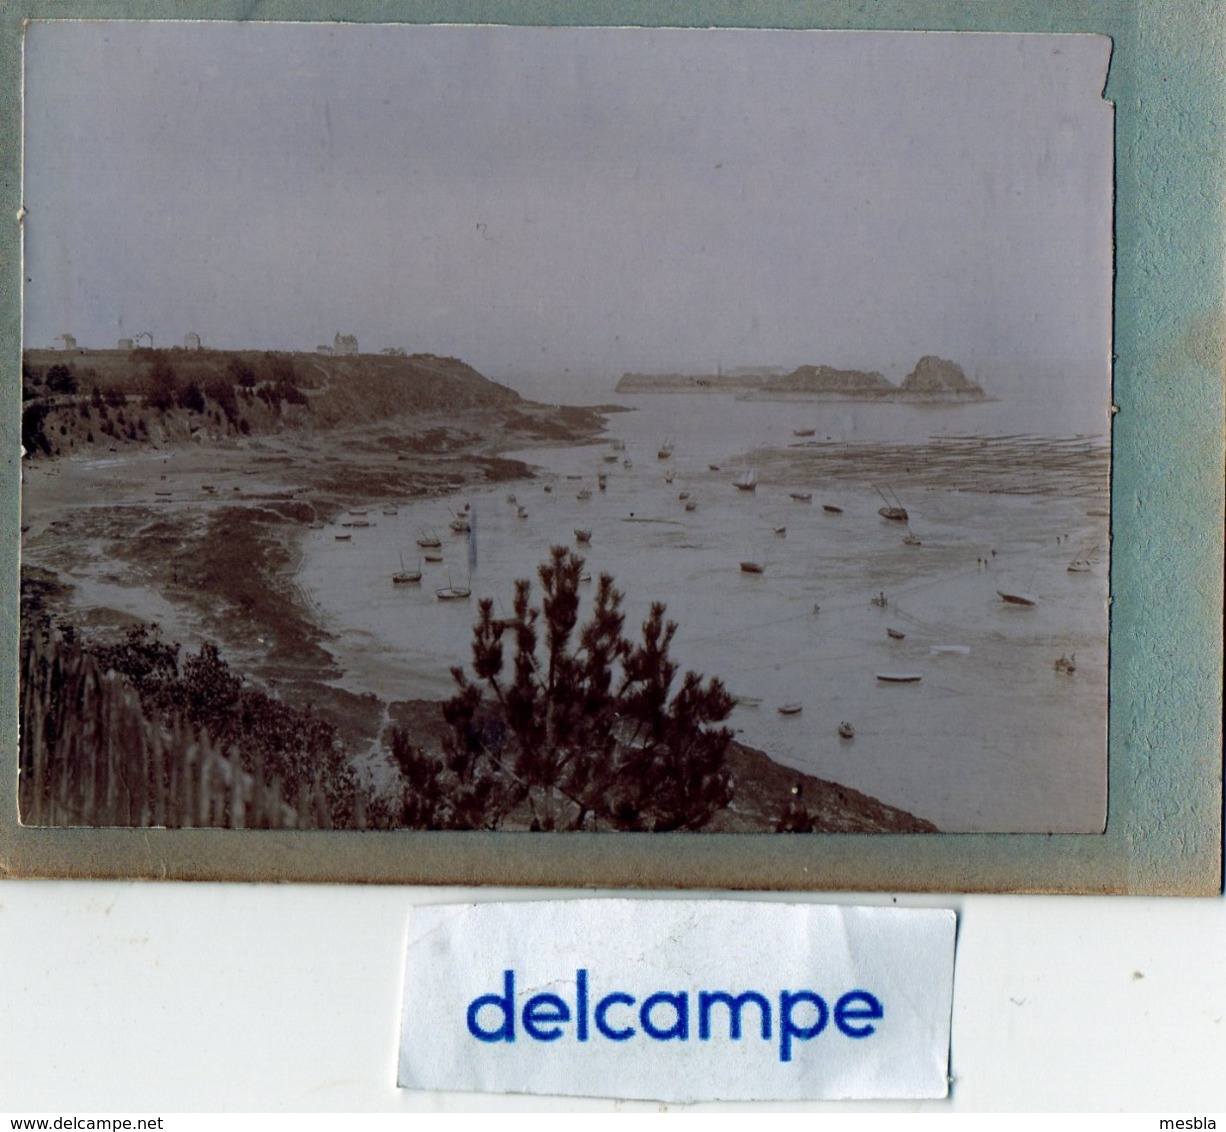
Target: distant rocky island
[[932, 379]]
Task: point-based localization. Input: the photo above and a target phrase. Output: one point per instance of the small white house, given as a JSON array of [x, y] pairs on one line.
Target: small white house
[[66, 342], [345, 344]]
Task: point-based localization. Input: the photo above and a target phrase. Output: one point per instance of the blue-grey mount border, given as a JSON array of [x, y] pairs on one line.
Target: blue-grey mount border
[[1164, 831]]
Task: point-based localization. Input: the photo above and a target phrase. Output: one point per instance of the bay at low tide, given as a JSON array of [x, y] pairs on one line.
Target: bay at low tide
[[991, 739]]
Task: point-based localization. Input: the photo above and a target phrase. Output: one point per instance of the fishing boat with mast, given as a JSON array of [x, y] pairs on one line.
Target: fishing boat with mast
[[406, 577], [1083, 562], [746, 481], [451, 592], [893, 509]]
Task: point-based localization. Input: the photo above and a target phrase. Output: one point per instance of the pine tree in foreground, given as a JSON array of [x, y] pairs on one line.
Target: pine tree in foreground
[[585, 731]]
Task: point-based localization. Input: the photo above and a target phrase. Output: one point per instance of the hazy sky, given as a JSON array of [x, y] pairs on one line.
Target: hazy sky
[[583, 201]]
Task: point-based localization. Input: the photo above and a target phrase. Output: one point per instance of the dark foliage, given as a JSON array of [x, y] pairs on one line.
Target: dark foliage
[[586, 731], [161, 383], [294, 747], [61, 379], [191, 397], [33, 436], [221, 392], [240, 372]]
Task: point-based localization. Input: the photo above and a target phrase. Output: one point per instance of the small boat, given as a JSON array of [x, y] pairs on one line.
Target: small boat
[[683, 495], [548, 488], [893, 509], [691, 504], [781, 532], [747, 701], [432, 556], [751, 567], [665, 450], [511, 498], [356, 511], [1066, 664], [210, 488], [804, 431], [1082, 563], [582, 535], [586, 576], [460, 525], [584, 495], [627, 463], [405, 577], [712, 467], [390, 511], [791, 709], [361, 523], [602, 481], [1017, 599], [451, 592], [669, 476], [521, 512], [912, 540], [163, 493], [429, 541], [747, 481], [316, 525], [880, 600], [899, 677], [950, 650], [895, 634], [846, 731], [574, 476], [610, 458], [832, 509], [802, 496], [342, 538]]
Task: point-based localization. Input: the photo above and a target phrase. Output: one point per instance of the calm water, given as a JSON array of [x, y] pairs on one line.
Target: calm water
[[991, 739]]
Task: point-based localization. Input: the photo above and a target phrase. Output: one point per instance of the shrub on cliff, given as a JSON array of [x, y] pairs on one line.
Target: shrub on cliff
[[295, 748], [585, 732], [161, 384]]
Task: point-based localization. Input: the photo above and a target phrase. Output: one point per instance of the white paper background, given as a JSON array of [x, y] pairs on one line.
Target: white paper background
[[204, 998], [457, 954]]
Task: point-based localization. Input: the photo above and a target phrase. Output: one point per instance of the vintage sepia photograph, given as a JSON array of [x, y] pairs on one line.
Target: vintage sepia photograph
[[565, 429]]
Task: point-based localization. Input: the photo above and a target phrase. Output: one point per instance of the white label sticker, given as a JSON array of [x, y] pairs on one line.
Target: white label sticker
[[679, 1000]]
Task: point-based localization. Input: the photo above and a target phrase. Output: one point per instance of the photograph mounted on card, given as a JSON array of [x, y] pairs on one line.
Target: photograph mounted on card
[[450, 443]]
